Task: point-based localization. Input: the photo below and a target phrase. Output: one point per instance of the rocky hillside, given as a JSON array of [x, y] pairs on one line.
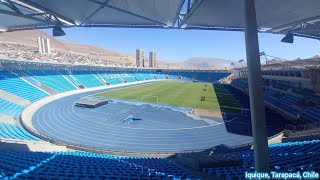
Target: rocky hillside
[[23, 45]]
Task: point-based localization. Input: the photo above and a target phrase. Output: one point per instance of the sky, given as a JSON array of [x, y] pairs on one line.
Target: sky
[[180, 45]]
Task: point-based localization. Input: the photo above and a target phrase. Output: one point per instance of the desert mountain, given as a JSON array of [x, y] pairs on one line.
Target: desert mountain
[[207, 63], [29, 38]]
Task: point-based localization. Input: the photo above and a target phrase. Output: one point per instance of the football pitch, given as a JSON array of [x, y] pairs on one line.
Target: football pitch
[[186, 94]]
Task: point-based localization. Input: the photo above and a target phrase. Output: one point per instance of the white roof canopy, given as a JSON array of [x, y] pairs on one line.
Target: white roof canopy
[[300, 17], [275, 16]]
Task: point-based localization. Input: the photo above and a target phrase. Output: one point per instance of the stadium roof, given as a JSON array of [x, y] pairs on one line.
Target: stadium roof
[[301, 18]]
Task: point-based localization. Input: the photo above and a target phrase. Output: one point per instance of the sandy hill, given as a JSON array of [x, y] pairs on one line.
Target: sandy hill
[[29, 37], [207, 63]]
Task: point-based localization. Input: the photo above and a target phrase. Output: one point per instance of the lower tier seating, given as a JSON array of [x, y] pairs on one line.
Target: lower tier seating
[[148, 76], [289, 157], [15, 85], [10, 109], [86, 165], [88, 79], [9, 131]]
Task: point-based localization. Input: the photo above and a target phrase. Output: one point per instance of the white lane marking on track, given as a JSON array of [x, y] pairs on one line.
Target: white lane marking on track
[[100, 139], [144, 141]]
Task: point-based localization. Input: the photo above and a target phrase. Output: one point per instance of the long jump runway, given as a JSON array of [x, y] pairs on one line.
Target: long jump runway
[[158, 128]]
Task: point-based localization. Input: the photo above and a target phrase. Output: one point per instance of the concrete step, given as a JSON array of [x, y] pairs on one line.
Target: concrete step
[[14, 98]]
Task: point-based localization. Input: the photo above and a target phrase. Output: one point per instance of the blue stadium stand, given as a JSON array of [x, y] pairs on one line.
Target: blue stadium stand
[[112, 79], [10, 109], [312, 114], [87, 79], [127, 77], [53, 80], [159, 76], [148, 76], [15, 85], [289, 157], [86, 165], [72, 79], [139, 76], [15, 132], [172, 76]]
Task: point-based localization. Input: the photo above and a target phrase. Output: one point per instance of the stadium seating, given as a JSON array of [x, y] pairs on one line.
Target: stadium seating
[[172, 76], [148, 76], [127, 77], [311, 114], [87, 79], [139, 76], [284, 102], [15, 85], [201, 76], [282, 73], [112, 79], [290, 156], [72, 79], [15, 132], [159, 76], [240, 83], [53, 80], [86, 165], [270, 92], [10, 109]]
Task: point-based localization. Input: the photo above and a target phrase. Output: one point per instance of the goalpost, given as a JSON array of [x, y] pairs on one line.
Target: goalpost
[[150, 98]]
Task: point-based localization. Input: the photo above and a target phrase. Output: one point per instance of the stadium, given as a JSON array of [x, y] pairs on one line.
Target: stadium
[[82, 121]]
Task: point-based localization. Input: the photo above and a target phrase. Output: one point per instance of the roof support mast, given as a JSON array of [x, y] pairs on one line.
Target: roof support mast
[[261, 152]]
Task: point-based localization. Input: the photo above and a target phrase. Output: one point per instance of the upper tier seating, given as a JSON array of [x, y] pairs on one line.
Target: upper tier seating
[[240, 83], [270, 92], [284, 102], [290, 156], [15, 132], [85, 165], [13, 84], [201, 76], [53, 80], [10, 109], [312, 114]]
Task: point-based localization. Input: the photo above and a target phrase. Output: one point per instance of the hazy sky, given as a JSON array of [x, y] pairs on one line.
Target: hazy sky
[[179, 45]]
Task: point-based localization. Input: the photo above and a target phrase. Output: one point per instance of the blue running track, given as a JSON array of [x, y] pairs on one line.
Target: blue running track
[[160, 129]]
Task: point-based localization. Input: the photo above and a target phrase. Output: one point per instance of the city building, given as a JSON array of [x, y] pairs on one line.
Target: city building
[[152, 59], [44, 45], [140, 58]]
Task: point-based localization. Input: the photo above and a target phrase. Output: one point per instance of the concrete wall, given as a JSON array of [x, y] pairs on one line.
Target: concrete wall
[[40, 146]]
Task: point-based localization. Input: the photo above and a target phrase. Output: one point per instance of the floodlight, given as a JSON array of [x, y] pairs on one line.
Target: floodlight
[[57, 31], [288, 38]]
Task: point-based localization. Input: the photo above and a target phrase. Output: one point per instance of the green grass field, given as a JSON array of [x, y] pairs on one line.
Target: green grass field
[[186, 94]]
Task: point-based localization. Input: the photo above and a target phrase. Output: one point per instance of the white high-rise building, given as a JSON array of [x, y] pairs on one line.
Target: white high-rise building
[[152, 59], [44, 45], [140, 58]]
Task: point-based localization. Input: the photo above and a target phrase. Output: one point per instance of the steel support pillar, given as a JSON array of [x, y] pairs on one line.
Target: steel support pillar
[[261, 151]]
